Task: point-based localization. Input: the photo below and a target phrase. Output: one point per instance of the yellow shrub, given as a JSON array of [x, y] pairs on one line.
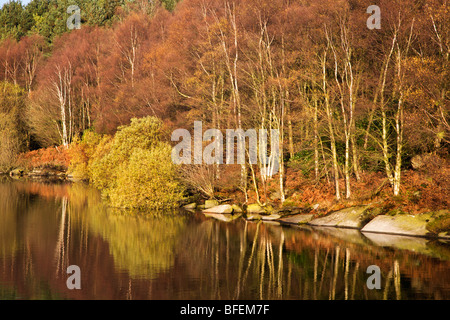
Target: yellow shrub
[[81, 152], [99, 168], [134, 169], [148, 180], [141, 133]]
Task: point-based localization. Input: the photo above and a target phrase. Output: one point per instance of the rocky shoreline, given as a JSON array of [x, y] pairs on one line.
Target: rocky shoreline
[[368, 219], [49, 174], [365, 218]]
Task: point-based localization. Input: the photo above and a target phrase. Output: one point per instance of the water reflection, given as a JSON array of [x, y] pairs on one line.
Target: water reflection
[[44, 228], [142, 246]]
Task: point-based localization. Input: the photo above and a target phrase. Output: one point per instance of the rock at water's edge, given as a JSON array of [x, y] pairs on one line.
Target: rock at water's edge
[[399, 224], [17, 173], [347, 218], [223, 209], [255, 208], [237, 209], [211, 204], [190, 206]]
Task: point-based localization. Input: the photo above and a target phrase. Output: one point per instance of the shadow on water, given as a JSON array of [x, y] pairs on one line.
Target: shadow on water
[[46, 227]]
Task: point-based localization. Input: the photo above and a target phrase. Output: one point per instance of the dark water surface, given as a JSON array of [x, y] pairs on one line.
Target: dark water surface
[[44, 228]]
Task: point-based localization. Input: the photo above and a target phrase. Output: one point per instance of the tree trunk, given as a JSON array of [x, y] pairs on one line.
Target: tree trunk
[[330, 127]]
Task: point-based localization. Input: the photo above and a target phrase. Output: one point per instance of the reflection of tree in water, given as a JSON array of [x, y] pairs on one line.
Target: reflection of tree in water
[[243, 260], [141, 245], [240, 260], [45, 228], [341, 271], [8, 221], [29, 216], [14, 202]]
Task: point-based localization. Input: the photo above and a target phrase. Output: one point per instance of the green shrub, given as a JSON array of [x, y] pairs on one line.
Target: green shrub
[[147, 180], [142, 133], [133, 169]]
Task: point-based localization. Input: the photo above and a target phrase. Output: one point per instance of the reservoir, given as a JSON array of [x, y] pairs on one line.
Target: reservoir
[[47, 227]]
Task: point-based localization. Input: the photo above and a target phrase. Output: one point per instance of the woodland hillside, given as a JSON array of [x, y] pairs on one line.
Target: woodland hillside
[[363, 113]]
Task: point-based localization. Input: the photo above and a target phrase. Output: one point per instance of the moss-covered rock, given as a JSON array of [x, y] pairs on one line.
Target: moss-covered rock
[[347, 218], [440, 223], [237, 209], [289, 203], [403, 224], [211, 204], [255, 208]]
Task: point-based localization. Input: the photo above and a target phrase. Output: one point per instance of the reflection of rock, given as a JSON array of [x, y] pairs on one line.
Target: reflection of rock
[[51, 174], [298, 219], [346, 218], [399, 224], [305, 227], [271, 217], [441, 248], [191, 206], [73, 178], [445, 235], [36, 173], [223, 217], [271, 222], [225, 208], [350, 235], [415, 244], [17, 173], [253, 216]]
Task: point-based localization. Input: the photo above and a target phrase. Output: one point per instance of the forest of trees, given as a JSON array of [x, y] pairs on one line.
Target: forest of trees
[[346, 99]]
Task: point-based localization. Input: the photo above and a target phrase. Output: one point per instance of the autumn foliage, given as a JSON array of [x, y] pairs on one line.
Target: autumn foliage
[[354, 106], [50, 158], [133, 168]]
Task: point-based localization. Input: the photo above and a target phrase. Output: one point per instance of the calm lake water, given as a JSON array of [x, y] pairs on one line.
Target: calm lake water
[[44, 228]]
